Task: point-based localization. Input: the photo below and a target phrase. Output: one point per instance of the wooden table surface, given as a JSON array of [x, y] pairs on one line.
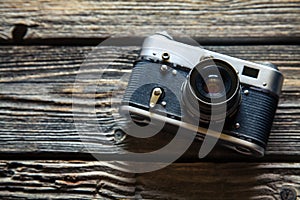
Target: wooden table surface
[[43, 44]]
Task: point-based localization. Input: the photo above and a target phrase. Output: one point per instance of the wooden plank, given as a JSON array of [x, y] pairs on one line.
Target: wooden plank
[[36, 98], [99, 19], [64, 180], [100, 180], [221, 181]]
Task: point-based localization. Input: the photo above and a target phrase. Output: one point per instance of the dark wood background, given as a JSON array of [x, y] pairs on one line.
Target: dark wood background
[[43, 44]]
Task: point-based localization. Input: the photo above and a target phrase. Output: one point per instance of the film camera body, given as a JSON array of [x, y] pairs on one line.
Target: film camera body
[[181, 81]]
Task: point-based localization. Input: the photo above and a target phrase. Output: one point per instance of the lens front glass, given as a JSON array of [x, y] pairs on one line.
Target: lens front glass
[[213, 85], [213, 81]]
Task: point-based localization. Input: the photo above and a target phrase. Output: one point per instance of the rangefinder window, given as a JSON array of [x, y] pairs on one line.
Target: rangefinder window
[[248, 71]]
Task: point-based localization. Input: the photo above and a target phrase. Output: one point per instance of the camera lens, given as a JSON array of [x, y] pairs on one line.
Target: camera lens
[[212, 84]]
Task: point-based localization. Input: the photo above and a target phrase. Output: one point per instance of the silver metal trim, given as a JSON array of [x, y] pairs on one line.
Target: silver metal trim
[[189, 56], [256, 150]]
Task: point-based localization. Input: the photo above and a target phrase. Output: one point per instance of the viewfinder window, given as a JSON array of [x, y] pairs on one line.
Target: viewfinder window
[[249, 71]]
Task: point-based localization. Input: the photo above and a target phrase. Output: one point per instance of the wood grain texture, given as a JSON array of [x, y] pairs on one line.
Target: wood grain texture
[[37, 91], [36, 82], [221, 181], [99, 19], [64, 180], [101, 180]]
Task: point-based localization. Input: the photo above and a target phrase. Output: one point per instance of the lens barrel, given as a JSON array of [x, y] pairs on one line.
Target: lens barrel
[[212, 90]]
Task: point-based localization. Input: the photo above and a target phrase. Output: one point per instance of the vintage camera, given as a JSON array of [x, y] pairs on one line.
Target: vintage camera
[[196, 84]]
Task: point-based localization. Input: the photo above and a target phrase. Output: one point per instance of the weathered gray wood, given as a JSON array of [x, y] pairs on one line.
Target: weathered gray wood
[[36, 86], [101, 180], [36, 98], [64, 180], [100, 19], [221, 181]]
